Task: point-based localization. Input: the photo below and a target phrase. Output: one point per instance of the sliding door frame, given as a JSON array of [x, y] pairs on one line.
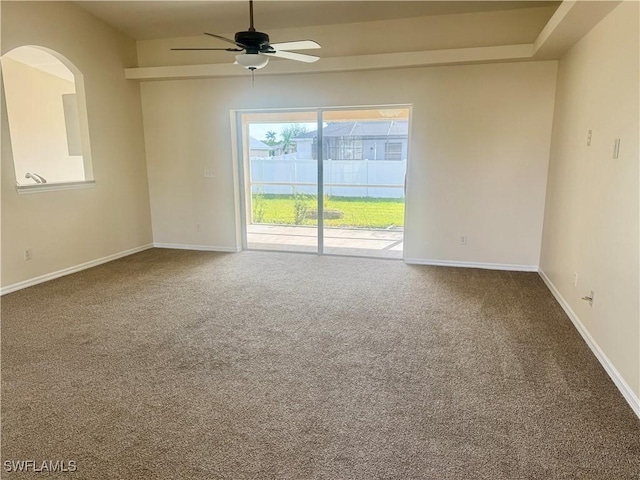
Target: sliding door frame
[[245, 181]]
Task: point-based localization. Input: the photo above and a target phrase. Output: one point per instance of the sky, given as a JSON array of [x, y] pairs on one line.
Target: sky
[[259, 130]]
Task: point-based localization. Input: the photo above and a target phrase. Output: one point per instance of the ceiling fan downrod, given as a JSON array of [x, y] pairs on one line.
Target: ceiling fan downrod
[[251, 28]]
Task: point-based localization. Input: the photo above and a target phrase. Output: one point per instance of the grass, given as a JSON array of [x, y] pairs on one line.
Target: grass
[[356, 212]]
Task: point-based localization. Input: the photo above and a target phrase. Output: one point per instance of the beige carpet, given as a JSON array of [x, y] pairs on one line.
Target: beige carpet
[[174, 364]]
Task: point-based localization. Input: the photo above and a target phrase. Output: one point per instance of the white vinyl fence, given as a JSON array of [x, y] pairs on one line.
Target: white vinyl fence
[[342, 178]]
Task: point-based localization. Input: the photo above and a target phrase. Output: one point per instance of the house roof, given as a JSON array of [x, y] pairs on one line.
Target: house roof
[[376, 128], [255, 144]]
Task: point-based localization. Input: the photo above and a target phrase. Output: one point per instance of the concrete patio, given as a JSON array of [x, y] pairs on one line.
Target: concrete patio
[[337, 241]]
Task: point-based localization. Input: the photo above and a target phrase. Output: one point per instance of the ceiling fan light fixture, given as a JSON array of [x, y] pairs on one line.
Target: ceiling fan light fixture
[[257, 49], [252, 61]]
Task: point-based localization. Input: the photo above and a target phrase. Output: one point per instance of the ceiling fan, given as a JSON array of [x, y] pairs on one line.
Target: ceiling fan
[[257, 49]]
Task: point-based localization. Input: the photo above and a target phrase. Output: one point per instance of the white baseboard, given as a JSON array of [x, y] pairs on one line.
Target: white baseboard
[[486, 266], [204, 248], [67, 271], [627, 393]]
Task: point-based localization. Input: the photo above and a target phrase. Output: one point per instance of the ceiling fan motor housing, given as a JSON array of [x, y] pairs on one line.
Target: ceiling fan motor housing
[[253, 42]]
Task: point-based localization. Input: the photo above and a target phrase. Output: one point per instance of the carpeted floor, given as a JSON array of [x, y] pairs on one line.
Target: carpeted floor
[[175, 364]]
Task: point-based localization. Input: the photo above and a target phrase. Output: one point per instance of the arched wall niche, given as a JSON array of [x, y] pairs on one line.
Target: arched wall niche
[[47, 116]]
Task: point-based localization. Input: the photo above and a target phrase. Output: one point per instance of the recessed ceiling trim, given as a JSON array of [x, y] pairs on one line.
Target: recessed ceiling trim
[[571, 21], [152, 19], [343, 64]]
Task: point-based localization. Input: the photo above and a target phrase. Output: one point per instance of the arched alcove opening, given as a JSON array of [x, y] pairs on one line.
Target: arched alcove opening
[[47, 116]]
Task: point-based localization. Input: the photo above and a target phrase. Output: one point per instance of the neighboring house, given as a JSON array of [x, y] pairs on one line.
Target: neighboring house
[[258, 149], [372, 140]]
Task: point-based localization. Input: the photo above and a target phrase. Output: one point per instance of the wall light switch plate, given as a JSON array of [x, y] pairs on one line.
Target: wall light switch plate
[[589, 138]]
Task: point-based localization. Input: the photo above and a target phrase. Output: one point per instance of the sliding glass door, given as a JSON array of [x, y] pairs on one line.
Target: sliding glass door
[[347, 164], [281, 181], [364, 157]]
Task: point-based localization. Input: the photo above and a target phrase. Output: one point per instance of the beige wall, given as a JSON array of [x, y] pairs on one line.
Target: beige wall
[[71, 227], [480, 142], [591, 218]]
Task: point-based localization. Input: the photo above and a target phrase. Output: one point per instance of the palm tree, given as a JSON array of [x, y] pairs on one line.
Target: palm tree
[[270, 138]]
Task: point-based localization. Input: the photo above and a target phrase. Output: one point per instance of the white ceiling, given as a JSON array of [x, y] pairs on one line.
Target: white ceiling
[[151, 19]]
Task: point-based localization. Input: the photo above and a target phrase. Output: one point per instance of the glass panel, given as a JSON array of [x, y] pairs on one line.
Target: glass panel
[[364, 167], [281, 173], [364, 164]]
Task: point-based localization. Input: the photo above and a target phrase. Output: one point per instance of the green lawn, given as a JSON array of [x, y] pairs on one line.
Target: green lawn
[[354, 212]]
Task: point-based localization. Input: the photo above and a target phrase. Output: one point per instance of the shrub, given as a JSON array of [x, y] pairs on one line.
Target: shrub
[[299, 207], [257, 206]]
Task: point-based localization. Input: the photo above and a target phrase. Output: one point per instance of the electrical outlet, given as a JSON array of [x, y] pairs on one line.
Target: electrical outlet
[[197, 227], [589, 138], [28, 254], [589, 298], [575, 280], [463, 240]]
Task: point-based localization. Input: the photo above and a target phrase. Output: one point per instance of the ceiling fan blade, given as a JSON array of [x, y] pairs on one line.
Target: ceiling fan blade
[[299, 45], [225, 49], [228, 40], [299, 57]]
